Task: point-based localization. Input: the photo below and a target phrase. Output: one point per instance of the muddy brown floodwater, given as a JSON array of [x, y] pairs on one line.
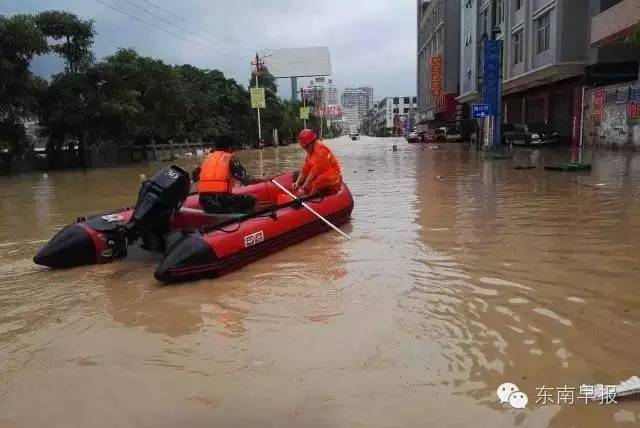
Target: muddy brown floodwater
[[462, 274]]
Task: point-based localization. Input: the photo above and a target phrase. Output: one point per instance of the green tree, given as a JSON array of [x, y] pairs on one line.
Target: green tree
[[20, 41], [74, 36]]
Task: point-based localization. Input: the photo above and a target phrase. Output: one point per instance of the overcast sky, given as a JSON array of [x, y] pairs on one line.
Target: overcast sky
[[370, 41]]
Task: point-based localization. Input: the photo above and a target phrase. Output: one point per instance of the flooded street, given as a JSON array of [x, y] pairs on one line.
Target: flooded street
[[462, 274]]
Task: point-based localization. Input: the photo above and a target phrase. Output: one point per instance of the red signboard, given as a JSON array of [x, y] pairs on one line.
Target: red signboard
[[597, 118], [599, 99], [329, 110], [436, 76], [633, 113], [446, 103]]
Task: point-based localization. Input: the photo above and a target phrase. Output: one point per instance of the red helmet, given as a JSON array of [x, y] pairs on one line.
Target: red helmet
[[306, 137]]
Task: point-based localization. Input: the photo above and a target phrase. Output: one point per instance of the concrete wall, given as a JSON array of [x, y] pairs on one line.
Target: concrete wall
[[468, 47], [573, 18], [616, 121], [452, 46]]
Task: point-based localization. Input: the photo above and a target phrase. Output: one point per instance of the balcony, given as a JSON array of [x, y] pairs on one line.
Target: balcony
[[615, 22]]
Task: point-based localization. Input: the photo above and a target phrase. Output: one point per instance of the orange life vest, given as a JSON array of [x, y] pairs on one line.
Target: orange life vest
[[324, 165], [215, 173]]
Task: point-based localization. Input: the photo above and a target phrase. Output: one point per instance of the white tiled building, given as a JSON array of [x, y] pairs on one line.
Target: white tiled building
[[388, 108], [356, 102]]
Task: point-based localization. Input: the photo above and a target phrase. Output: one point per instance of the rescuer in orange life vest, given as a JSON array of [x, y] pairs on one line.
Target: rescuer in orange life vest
[[321, 171], [216, 178]]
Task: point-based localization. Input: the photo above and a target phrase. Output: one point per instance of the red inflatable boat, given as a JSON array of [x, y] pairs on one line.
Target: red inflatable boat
[[196, 244]]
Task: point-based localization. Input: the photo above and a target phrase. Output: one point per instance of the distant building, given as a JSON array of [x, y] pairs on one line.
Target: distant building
[[392, 113], [323, 91], [550, 50], [438, 59], [355, 102]]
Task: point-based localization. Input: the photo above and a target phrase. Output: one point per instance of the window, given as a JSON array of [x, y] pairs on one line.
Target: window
[[500, 11], [407, 100], [518, 4], [396, 111], [406, 110], [396, 100], [415, 100], [484, 22], [518, 54], [544, 26]]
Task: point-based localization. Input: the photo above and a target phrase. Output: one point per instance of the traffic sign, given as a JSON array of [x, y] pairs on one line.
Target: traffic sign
[[304, 113], [258, 98], [480, 111], [491, 71]]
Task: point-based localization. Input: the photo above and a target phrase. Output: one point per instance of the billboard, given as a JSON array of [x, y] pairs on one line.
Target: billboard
[[329, 110], [297, 62], [436, 76]]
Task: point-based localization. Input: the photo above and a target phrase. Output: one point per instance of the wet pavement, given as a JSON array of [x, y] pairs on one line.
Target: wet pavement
[[463, 273]]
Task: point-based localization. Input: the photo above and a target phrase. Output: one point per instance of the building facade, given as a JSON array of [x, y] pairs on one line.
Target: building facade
[[323, 91], [438, 59], [550, 50], [395, 114], [356, 101]]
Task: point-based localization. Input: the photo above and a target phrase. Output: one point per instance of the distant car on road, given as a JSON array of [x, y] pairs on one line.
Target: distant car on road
[[437, 135], [452, 134], [354, 136], [532, 134], [413, 137]]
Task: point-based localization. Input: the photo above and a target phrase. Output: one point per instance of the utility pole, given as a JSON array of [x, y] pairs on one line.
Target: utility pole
[[258, 64], [304, 105]]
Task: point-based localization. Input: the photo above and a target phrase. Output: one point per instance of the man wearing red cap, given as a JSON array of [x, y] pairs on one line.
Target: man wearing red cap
[[321, 172]]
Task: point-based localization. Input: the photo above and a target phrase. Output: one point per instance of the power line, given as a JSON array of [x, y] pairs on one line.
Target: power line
[[158, 28], [173, 24], [200, 28]]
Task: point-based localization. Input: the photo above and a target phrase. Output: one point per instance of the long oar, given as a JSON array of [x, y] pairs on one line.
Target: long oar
[[310, 209]]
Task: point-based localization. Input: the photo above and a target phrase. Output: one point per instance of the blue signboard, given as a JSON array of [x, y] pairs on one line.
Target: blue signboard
[[491, 71], [408, 126], [480, 111]]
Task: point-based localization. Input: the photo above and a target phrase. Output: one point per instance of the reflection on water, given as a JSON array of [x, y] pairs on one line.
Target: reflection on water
[[462, 274]]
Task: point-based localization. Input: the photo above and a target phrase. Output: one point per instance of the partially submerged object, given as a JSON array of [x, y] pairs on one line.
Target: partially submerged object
[[571, 166], [608, 393]]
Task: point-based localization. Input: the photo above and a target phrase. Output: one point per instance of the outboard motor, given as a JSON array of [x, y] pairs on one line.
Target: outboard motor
[[158, 200]]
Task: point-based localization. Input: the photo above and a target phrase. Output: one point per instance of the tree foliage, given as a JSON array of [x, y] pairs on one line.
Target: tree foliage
[[20, 41], [124, 98], [73, 37]]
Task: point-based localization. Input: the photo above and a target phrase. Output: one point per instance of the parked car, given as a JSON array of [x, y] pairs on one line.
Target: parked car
[[452, 134], [413, 137], [437, 135], [532, 134]]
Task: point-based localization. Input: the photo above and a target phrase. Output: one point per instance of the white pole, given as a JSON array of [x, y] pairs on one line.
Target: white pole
[[259, 127], [304, 104], [582, 116], [311, 209], [581, 126]]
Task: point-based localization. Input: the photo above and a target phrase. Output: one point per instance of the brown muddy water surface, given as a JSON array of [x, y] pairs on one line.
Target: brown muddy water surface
[[462, 274]]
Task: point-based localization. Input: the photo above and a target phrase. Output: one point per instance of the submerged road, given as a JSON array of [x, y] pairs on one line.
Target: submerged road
[[462, 274]]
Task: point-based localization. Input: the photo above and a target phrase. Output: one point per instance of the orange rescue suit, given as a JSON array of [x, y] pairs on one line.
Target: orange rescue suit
[[324, 166], [215, 173]]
